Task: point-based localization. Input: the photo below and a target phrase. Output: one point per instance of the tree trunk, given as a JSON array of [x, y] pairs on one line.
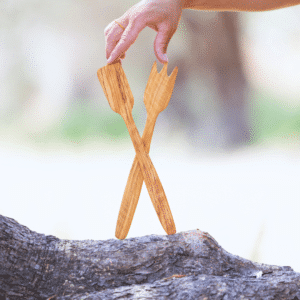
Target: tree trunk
[[186, 265], [211, 90]]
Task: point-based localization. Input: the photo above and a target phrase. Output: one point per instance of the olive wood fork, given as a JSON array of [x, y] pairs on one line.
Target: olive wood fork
[[156, 98], [117, 91]]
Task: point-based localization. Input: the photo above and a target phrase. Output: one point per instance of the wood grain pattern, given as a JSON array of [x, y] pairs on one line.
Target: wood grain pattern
[[156, 98], [116, 88]]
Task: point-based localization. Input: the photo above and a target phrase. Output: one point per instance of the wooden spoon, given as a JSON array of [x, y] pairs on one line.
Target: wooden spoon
[[156, 98], [117, 91]]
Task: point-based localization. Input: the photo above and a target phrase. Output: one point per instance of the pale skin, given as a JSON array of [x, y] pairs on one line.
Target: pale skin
[[163, 16]]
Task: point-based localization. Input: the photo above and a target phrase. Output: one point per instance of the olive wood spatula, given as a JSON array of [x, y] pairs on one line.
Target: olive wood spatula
[[117, 91], [156, 98]]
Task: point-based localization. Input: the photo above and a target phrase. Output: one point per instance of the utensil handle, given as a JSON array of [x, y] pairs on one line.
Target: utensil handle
[[152, 181], [130, 200], [134, 186]]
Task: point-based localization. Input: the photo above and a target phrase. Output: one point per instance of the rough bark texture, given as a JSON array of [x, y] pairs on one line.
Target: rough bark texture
[[35, 266]]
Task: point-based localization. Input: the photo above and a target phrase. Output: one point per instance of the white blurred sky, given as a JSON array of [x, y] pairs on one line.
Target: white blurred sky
[[271, 48]]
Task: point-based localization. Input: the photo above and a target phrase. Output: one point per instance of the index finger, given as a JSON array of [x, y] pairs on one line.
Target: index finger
[[128, 37], [113, 34]]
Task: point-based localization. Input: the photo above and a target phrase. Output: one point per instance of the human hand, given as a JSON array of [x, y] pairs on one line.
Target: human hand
[[161, 15]]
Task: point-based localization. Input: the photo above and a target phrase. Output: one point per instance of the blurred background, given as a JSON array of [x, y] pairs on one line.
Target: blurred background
[[227, 148]]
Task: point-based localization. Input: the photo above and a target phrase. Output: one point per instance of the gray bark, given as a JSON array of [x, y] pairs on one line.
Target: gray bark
[[186, 265]]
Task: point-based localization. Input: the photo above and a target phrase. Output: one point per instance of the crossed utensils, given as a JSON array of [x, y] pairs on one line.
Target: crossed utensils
[[156, 98]]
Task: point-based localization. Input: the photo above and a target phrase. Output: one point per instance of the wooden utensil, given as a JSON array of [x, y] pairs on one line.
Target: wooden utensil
[[117, 91], [156, 98]]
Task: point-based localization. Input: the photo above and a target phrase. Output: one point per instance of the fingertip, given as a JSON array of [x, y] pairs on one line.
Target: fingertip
[[165, 58], [162, 61], [110, 61]]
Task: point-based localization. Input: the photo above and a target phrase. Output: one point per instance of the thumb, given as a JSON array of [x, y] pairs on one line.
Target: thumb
[[161, 44]]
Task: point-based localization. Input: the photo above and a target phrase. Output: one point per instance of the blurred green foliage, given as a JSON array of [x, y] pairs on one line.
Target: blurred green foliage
[[80, 122], [273, 118]]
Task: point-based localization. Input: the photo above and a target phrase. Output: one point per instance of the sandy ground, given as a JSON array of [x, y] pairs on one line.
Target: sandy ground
[[248, 201]]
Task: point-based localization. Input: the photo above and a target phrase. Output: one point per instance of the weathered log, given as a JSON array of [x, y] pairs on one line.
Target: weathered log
[[186, 265]]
